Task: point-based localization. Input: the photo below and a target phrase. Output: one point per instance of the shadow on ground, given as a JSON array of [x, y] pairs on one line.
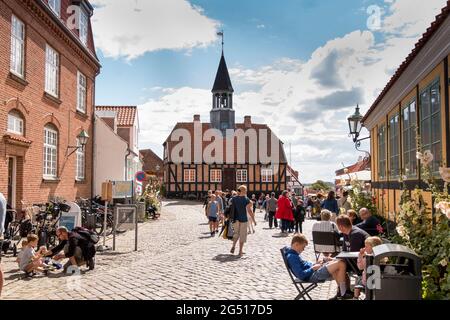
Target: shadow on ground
[[226, 258]]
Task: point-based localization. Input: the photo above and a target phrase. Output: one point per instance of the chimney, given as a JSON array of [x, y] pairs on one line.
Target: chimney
[[247, 122], [196, 117]]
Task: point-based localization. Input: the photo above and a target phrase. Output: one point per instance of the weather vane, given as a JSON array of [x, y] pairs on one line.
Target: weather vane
[[220, 34]]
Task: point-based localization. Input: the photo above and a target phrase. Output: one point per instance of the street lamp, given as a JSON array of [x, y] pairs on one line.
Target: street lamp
[[82, 138], [355, 125]]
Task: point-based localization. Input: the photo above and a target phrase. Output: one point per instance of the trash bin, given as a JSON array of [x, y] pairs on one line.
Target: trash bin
[[400, 273], [141, 211]]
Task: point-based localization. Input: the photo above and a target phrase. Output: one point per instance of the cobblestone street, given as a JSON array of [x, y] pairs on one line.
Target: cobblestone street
[[177, 259]]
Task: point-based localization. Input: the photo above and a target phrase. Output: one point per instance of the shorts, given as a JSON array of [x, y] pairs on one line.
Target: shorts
[[212, 219], [320, 275], [240, 231]]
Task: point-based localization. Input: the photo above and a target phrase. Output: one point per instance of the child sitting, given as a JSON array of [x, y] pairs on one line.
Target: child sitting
[[19, 255], [31, 261], [370, 243]]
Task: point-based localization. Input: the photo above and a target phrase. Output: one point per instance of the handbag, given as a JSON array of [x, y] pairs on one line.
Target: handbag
[[230, 230]]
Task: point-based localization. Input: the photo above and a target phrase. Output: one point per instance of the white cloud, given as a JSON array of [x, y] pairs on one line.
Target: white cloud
[[130, 28], [295, 98]]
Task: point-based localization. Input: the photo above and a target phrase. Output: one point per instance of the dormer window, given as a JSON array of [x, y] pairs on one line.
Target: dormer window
[[55, 5], [84, 22]]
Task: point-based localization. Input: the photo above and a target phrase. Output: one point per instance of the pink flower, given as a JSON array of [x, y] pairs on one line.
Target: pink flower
[[445, 174], [380, 229], [444, 207]]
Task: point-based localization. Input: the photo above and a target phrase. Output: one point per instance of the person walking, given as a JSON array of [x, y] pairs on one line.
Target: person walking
[[241, 206], [299, 216], [254, 202], [272, 205], [213, 209], [266, 208], [284, 212], [331, 205]]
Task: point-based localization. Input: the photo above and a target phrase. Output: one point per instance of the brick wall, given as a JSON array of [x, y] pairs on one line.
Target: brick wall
[[38, 110]]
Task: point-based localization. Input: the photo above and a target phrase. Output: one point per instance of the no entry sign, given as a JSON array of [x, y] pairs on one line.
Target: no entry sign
[[140, 176]]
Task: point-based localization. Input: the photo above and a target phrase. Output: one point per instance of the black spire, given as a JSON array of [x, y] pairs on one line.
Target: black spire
[[223, 81]]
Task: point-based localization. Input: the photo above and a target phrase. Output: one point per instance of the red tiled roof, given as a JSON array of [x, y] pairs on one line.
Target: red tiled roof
[[126, 115], [17, 138], [151, 160], [362, 165], [418, 47]]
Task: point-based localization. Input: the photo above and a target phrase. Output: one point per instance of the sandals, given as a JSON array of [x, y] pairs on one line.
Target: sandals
[[232, 250]]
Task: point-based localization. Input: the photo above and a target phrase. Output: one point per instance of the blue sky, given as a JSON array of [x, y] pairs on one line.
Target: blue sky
[[300, 66], [257, 32]]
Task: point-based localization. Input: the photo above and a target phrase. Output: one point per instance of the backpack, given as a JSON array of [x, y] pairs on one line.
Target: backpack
[[88, 235], [90, 238]]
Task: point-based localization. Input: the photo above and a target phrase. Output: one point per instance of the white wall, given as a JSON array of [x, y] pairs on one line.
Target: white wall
[[109, 155]]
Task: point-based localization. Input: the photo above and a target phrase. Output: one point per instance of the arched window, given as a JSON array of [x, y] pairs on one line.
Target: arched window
[[15, 122], [50, 164]]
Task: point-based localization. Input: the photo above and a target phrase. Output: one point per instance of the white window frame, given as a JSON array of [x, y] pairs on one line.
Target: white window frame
[[17, 61], [215, 175], [50, 163], [240, 174], [189, 175], [83, 24], [266, 175], [80, 173], [81, 92], [55, 5], [15, 123], [51, 71]]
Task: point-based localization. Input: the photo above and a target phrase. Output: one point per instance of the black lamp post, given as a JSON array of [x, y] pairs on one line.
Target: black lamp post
[[355, 125]]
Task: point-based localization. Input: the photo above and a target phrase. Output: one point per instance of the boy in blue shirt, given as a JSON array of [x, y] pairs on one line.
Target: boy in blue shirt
[[314, 273]]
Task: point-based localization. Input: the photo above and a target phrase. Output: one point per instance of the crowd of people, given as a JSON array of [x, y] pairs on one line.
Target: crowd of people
[[288, 212]]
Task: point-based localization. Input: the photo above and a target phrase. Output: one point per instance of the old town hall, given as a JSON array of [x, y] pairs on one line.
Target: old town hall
[[190, 178]]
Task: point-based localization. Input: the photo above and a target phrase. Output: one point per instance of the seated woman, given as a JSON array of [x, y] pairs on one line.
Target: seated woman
[[314, 273]]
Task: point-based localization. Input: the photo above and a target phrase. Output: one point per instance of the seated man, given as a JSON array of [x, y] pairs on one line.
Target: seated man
[[314, 273], [370, 223], [72, 245], [354, 237]]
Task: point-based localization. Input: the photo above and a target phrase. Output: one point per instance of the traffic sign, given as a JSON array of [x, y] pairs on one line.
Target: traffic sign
[[140, 176]]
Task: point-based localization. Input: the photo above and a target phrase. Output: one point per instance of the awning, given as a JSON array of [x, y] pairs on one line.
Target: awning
[[361, 175]]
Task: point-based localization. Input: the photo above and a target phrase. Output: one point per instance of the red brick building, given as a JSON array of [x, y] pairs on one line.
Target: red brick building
[[48, 67]]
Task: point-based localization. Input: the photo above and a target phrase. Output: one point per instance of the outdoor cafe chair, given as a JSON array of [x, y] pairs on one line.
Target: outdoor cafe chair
[[303, 287], [329, 239]]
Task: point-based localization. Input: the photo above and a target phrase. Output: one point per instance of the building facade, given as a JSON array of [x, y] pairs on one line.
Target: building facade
[[48, 67], [116, 142], [410, 115], [223, 154]]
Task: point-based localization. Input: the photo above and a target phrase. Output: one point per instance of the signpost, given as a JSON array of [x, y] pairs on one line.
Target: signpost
[[125, 217]]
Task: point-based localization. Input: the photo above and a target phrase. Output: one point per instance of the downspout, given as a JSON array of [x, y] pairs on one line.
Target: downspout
[[94, 140], [126, 164]]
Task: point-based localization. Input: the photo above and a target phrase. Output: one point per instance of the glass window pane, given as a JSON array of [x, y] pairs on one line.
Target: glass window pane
[[426, 132], [424, 104], [435, 99]]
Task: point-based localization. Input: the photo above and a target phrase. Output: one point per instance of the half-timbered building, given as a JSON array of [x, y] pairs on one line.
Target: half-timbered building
[[233, 161]]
